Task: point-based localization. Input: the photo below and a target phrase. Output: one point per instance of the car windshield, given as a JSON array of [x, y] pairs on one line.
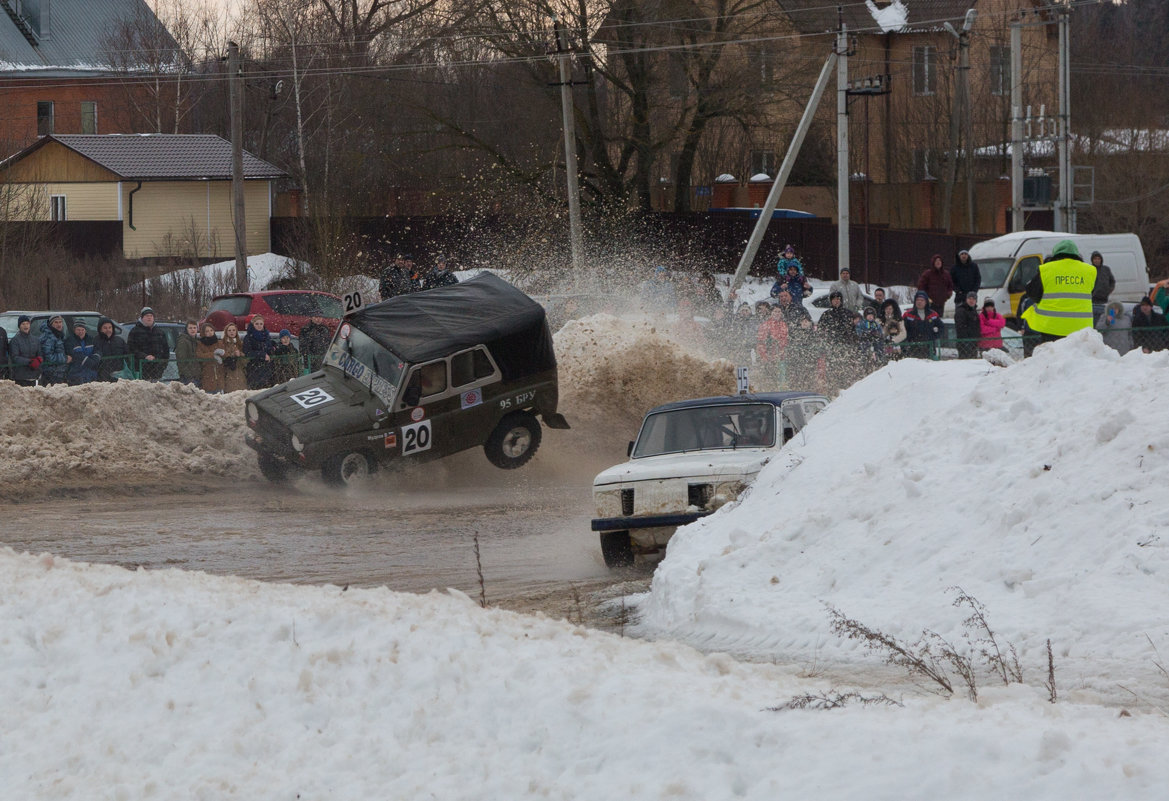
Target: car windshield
[[746, 425], [235, 305], [994, 271], [305, 305], [355, 343]]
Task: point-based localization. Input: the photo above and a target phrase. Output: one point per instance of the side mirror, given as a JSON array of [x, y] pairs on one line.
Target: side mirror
[[412, 395], [629, 449]]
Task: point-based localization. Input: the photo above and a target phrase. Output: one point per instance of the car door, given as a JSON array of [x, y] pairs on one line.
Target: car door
[[1026, 268]]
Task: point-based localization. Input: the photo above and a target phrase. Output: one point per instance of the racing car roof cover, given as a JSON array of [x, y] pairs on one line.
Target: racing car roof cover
[[484, 310]]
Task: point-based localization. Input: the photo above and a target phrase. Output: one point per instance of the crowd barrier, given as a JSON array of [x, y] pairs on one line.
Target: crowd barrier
[[131, 368]]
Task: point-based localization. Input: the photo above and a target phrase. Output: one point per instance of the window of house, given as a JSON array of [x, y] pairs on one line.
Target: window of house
[[89, 116], [1000, 70], [57, 208], [44, 117], [679, 83], [925, 70], [763, 161]]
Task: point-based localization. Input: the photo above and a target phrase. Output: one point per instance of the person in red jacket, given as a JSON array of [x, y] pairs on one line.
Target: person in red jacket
[[937, 283], [770, 344], [990, 325]]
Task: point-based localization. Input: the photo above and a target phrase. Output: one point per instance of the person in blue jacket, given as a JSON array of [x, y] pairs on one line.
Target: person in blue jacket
[[257, 346], [79, 353]]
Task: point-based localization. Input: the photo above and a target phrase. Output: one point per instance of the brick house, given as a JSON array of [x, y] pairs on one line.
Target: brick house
[[55, 70]]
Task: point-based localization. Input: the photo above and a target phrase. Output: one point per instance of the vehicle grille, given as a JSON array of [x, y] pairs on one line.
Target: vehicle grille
[[699, 494], [627, 502], [274, 435]]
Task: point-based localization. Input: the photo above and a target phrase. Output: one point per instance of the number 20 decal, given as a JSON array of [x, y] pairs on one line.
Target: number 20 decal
[[312, 397], [416, 438]]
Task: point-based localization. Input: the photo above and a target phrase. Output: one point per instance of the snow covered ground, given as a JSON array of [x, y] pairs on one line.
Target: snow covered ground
[[263, 269], [1036, 488]]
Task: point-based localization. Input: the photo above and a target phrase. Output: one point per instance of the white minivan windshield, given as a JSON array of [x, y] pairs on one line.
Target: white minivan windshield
[[701, 428]]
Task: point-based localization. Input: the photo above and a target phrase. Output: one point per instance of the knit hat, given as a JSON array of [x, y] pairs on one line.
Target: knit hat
[[870, 310], [145, 311], [921, 293], [835, 294], [970, 295], [844, 270], [1067, 248], [960, 252], [284, 332], [1146, 299], [24, 318], [988, 302]]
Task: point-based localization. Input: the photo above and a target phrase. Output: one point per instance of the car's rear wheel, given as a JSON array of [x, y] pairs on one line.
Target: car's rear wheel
[[348, 468], [514, 441], [273, 469], [616, 548]]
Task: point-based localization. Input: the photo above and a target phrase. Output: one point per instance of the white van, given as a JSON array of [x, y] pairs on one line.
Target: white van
[[1008, 262]]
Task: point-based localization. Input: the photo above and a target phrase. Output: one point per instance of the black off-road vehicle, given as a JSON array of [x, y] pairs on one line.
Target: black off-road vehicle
[[415, 378]]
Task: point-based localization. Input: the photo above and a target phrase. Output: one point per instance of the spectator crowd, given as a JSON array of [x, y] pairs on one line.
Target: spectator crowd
[[207, 359]]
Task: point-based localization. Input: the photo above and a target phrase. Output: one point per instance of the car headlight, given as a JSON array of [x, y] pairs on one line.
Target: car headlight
[[253, 412], [297, 445]]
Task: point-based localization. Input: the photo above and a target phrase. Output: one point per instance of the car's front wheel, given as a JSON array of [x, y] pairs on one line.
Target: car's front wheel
[[617, 549], [273, 469], [514, 441], [347, 468]]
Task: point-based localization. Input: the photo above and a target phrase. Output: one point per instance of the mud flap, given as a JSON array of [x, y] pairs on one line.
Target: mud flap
[[554, 420]]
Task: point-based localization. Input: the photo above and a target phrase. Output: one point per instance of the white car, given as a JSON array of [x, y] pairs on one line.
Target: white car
[[690, 458]]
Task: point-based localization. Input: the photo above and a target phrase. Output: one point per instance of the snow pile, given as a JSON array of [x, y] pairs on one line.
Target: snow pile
[[142, 682], [122, 434], [263, 270], [1038, 489], [616, 368]]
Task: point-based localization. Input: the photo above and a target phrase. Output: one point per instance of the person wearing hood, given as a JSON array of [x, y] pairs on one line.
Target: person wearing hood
[[936, 283], [966, 278], [1061, 294], [838, 339], [1105, 284], [967, 329], [850, 291], [110, 350], [210, 356], [258, 347], [788, 259], [990, 327], [1149, 327], [79, 352], [794, 282], [285, 359], [1115, 326], [314, 341], [923, 327], [53, 351], [24, 352], [190, 371], [149, 346]]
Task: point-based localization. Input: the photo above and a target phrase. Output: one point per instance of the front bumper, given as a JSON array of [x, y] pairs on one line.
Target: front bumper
[[646, 521]]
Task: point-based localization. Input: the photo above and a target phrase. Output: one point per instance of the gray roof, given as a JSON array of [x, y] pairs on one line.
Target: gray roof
[[161, 157], [817, 16], [76, 39]]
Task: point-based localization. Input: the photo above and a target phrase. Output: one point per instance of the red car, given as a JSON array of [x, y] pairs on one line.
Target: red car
[[280, 308]]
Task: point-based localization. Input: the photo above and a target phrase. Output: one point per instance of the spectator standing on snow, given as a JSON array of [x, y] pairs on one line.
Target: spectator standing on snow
[[148, 345], [110, 350], [837, 334], [1061, 293], [1105, 284], [878, 300], [285, 359], [210, 355], [657, 292], [24, 351], [770, 344], [966, 277], [440, 274], [990, 327], [1115, 326], [53, 351], [186, 345], [396, 278], [936, 283], [707, 298], [234, 377], [1149, 327], [5, 365], [967, 327], [894, 327], [850, 291], [795, 283], [314, 341], [923, 328], [80, 354], [258, 347], [871, 336]]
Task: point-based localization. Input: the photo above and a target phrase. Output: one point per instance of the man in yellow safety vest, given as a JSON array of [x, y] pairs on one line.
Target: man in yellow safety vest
[[1062, 294]]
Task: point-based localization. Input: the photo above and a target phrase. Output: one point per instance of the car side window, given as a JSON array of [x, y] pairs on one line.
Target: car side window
[[1027, 269], [433, 378], [811, 408], [470, 366], [483, 365]]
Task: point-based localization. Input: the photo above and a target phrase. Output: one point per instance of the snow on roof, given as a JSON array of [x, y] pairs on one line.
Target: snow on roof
[[890, 19], [1111, 142]]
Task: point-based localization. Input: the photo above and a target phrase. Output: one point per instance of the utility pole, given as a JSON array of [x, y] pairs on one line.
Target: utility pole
[[570, 168], [1017, 222], [1065, 211], [960, 119], [842, 224], [235, 97]]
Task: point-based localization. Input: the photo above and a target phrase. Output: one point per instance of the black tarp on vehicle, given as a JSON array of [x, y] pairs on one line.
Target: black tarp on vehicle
[[484, 310]]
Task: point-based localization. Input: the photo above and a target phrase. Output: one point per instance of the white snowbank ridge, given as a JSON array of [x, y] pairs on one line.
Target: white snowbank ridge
[[1039, 489]]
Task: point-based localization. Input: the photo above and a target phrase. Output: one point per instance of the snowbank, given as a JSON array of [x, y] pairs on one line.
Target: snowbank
[[1039, 489], [263, 269], [164, 684]]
